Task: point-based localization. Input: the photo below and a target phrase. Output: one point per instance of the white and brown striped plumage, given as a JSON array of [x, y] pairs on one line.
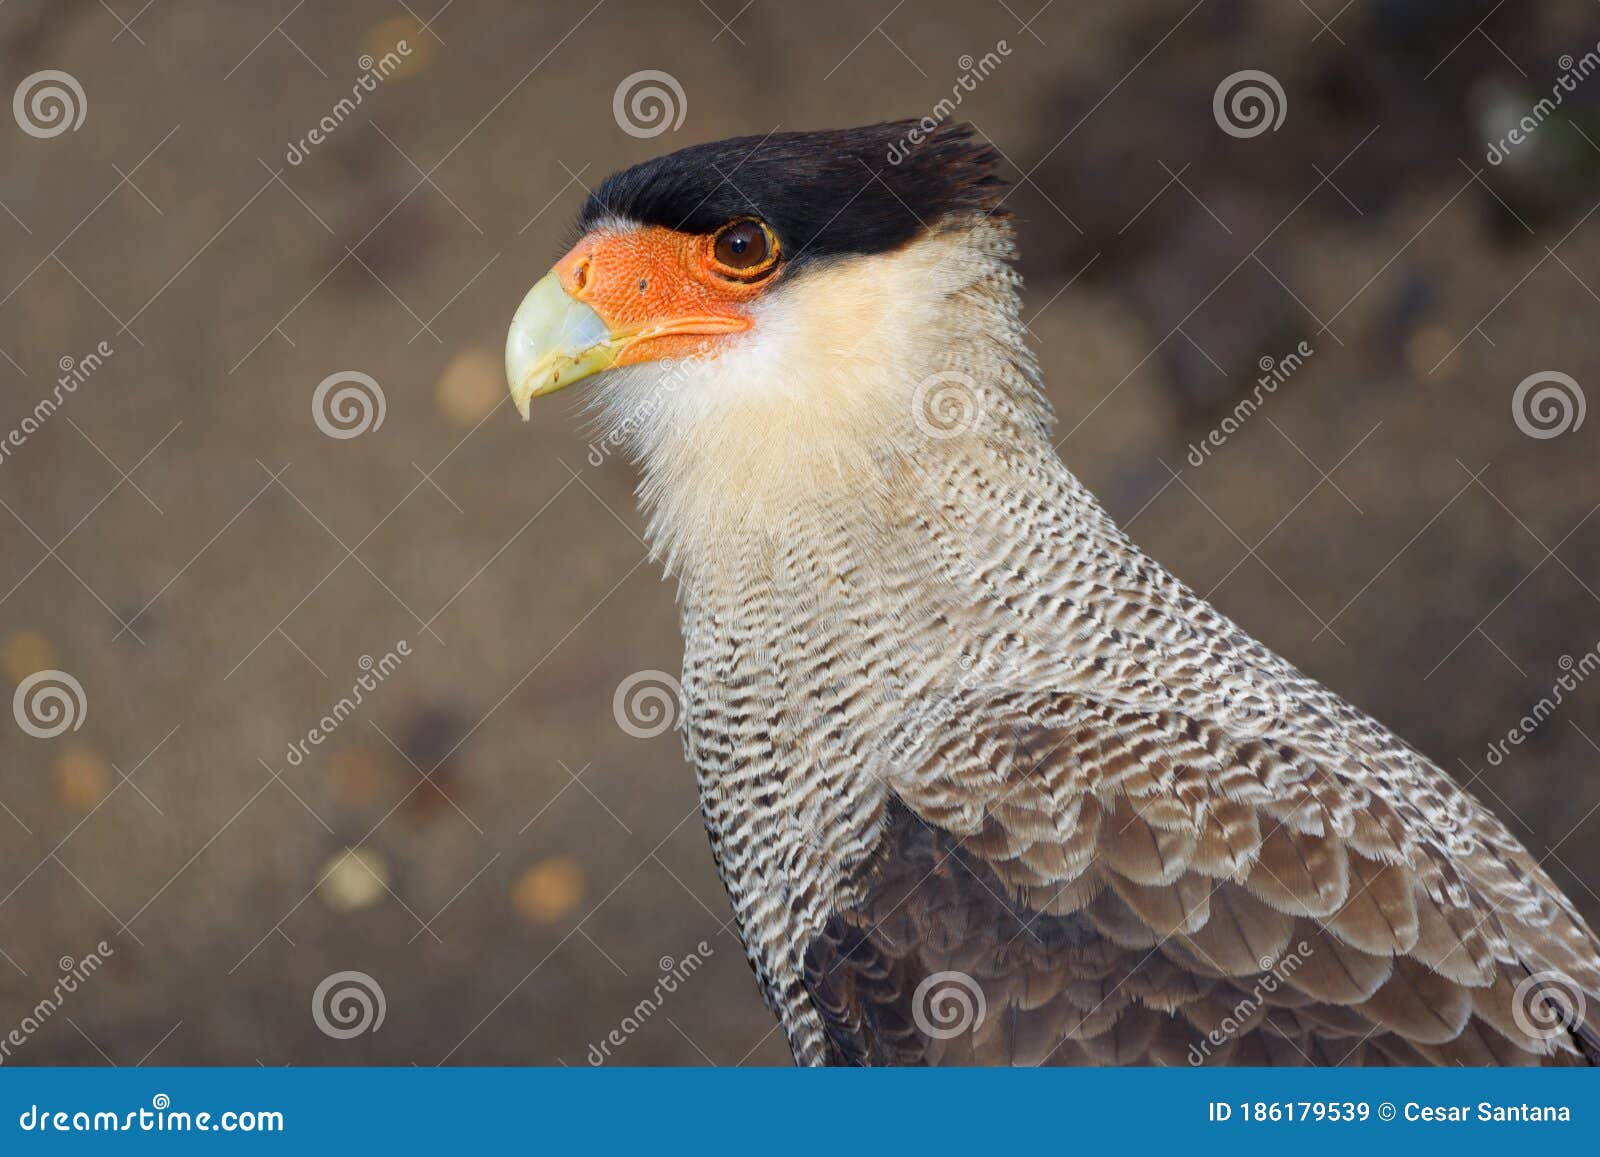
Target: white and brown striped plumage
[[947, 718]]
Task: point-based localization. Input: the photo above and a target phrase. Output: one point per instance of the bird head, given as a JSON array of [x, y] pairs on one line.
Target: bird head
[[759, 312], [711, 248]]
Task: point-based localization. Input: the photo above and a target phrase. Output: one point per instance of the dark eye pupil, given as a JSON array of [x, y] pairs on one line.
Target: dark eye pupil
[[740, 244]]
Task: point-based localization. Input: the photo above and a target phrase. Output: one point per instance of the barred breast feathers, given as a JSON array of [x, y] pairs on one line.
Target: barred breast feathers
[[880, 616]]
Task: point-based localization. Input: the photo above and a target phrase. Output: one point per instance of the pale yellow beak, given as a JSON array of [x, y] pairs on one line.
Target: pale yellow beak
[[554, 340]]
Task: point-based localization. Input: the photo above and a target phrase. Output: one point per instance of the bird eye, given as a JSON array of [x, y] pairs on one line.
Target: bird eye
[[745, 249]]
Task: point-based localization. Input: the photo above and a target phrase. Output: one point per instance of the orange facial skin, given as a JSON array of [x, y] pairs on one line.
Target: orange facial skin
[[662, 291]]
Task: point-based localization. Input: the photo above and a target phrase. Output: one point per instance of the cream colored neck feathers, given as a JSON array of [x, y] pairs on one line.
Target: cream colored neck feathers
[[854, 376]]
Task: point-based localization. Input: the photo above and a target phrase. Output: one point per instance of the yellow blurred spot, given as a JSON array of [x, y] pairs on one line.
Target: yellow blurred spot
[[25, 653], [81, 778], [356, 776], [472, 384], [410, 44], [549, 890], [1430, 347], [354, 879]]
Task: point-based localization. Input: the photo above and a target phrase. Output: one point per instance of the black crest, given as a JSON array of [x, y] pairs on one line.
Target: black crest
[[825, 194]]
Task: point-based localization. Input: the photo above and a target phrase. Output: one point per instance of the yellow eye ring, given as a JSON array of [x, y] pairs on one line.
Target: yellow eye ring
[[743, 250]]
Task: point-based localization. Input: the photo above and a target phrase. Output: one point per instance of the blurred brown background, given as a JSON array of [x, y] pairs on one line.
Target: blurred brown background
[[183, 540]]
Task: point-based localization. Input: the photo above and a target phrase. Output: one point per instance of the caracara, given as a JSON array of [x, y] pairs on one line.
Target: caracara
[[985, 783]]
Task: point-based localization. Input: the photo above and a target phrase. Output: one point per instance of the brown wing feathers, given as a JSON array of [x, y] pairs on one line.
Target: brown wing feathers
[[1137, 887]]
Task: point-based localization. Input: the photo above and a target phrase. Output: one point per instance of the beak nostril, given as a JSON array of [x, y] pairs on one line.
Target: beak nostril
[[580, 275]]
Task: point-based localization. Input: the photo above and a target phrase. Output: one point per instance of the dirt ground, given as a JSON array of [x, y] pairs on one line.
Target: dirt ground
[[512, 870]]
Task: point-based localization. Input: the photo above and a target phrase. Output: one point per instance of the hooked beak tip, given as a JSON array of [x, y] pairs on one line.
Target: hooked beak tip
[[554, 341]]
